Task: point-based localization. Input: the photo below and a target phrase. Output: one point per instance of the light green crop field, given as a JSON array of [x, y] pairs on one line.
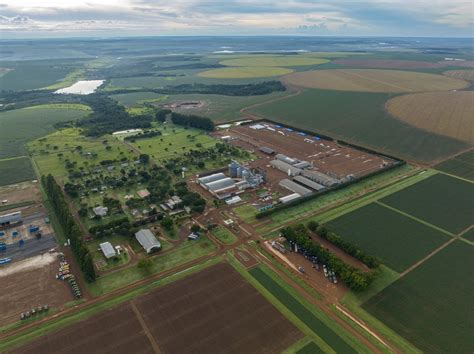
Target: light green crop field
[[245, 72], [441, 200], [397, 240], [224, 235], [432, 305], [137, 98], [282, 61], [359, 118], [19, 126], [64, 142], [16, 170]]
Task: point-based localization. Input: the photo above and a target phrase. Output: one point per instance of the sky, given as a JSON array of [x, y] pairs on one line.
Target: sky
[[399, 18]]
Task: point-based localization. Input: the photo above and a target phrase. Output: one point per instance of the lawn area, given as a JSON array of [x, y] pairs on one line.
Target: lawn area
[[359, 117], [185, 253], [461, 165], [326, 333], [432, 305], [19, 126], [224, 235], [396, 239], [441, 200], [246, 212], [16, 170]]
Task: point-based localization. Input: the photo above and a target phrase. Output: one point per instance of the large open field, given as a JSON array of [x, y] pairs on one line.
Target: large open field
[[288, 60], [432, 305], [243, 72], [360, 118], [16, 170], [461, 165], [212, 311], [460, 74], [398, 240], [137, 98], [374, 80], [19, 126], [445, 113], [441, 200], [388, 63]]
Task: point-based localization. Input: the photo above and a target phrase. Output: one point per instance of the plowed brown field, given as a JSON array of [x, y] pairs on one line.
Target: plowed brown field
[[460, 74], [388, 63]]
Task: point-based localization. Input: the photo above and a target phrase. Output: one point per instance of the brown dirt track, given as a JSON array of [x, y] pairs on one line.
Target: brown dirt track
[[445, 113], [212, 311], [460, 74], [373, 80], [388, 63]]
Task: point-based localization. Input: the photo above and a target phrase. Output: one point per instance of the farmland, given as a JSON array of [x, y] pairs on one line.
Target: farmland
[[137, 98], [429, 306], [16, 170], [460, 165], [441, 200], [271, 61], [445, 113], [360, 118], [387, 64], [19, 126], [396, 239], [461, 74], [374, 80], [224, 235], [245, 72]]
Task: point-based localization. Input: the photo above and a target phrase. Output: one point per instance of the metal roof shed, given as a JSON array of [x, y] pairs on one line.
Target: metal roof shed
[[148, 241], [294, 187], [221, 184], [211, 178], [108, 250], [308, 183]]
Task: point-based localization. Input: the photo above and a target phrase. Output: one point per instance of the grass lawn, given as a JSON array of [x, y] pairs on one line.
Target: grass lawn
[[396, 239], [461, 165], [224, 235], [431, 306], [16, 170], [246, 212], [359, 117], [441, 200], [19, 126], [186, 252]]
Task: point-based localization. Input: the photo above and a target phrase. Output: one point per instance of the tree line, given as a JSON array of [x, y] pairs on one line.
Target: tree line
[[70, 228], [354, 278], [192, 121]]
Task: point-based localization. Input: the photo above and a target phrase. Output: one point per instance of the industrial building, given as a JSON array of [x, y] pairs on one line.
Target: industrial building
[[308, 183], [211, 178], [267, 150], [11, 218], [286, 159], [321, 178], [289, 198], [285, 167], [148, 241], [294, 187], [108, 250]]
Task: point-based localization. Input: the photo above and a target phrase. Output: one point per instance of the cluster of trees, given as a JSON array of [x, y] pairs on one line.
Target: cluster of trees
[[120, 226], [192, 121], [161, 115], [190, 199], [69, 226], [345, 245], [144, 135], [354, 278]]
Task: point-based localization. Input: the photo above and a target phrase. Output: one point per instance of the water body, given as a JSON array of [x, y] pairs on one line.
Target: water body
[[83, 87]]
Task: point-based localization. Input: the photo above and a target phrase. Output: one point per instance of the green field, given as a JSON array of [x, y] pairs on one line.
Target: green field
[[441, 200], [397, 240], [469, 235], [136, 98], [310, 348], [359, 118], [19, 126], [302, 312], [16, 170], [224, 235], [461, 165], [269, 61], [432, 305], [244, 72]]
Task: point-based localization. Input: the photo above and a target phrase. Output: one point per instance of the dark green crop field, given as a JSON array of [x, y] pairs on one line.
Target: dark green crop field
[[16, 170], [462, 165], [361, 118], [318, 327], [469, 235], [441, 200], [432, 305], [398, 240], [310, 348]]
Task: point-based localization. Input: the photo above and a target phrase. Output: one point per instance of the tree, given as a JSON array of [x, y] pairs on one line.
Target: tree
[[313, 225], [167, 223], [195, 228], [145, 264], [144, 158]]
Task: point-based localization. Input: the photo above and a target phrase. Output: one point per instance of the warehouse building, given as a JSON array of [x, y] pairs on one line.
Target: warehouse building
[[294, 187], [11, 219], [148, 241], [108, 250], [220, 184], [211, 178], [289, 198], [267, 150], [308, 183], [302, 164], [285, 167], [321, 178], [286, 159]]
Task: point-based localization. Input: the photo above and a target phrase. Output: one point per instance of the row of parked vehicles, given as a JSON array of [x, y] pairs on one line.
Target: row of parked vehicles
[[64, 273], [33, 312]]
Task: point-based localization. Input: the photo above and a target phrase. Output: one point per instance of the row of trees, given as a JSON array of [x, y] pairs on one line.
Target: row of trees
[[345, 245], [354, 278], [144, 135], [192, 121], [70, 228]]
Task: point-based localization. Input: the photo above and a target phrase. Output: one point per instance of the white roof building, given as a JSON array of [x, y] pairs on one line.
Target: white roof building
[[100, 210], [148, 241], [108, 250]]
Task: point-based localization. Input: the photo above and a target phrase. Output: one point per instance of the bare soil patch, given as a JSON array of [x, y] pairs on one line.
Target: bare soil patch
[[245, 258], [460, 74], [444, 113], [388, 63], [368, 80]]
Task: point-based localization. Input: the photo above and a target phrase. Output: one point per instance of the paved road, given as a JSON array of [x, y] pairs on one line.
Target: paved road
[[30, 248]]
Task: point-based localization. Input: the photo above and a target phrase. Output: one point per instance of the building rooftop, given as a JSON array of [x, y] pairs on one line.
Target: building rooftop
[[107, 249], [148, 241], [100, 210]]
